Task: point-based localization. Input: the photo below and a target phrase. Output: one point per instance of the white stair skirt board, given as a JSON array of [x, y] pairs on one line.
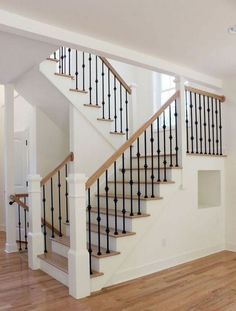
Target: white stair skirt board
[[80, 100]]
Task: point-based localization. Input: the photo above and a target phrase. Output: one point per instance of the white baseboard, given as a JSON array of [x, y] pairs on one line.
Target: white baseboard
[[160, 265], [230, 247]]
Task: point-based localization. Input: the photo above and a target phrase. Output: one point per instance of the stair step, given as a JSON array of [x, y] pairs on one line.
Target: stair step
[[53, 59], [92, 106], [64, 75], [94, 228], [106, 120], [155, 168], [79, 91], [119, 213], [143, 182], [61, 263], [154, 156], [64, 240], [135, 197], [117, 133]]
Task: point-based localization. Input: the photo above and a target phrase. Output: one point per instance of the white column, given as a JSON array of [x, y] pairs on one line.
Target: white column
[[35, 235], [78, 257], [133, 109], [10, 211], [180, 85]]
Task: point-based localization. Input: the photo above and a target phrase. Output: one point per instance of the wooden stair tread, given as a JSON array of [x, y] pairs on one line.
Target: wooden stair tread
[[55, 260], [61, 263], [92, 106], [206, 155], [117, 133], [106, 120], [64, 75], [79, 91], [119, 213], [94, 228], [154, 156], [135, 197], [143, 182], [155, 168], [52, 59], [65, 240]]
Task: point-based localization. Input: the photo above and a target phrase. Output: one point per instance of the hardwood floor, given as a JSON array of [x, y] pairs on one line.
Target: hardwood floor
[[204, 284]]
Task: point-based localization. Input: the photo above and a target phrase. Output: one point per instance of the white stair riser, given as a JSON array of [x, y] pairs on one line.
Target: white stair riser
[[149, 161], [60, 249], [114, 243], [128, 221], [142, 174], [119, 188]]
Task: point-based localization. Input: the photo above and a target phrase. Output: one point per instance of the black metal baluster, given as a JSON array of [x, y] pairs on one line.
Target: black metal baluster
[[139, 192], [152, 162], [64, 59], [164, 145], [109, 95], [213, 126], [115, 198], [220, 127], [55, 55], [200, 120], [90, 79], [196, 121], [83, 70], [62, 63], [59, 202], [76, 71], [115, 112], [96, 79], [123, 192], [98, 218], [205, 124], [209, 125], [176, 136], [44, 220], [191, 117], [158, 151], [186, 120], [25, 219], [52, 208], [66, 195], [145, 164], [131, 181], [60, 67], [89, 232], [69, 57], [217, 128], [103, 86], [19, 227], [121, 110], [107, 213], [127, 115], [170, 136]]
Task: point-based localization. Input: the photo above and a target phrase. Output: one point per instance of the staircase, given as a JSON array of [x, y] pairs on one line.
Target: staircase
[[125, 195]]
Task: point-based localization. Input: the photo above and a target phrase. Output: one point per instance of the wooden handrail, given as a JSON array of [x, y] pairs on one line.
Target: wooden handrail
[[69, 158], [129, 142], [21, 195], [116, 74], [15, 199], [204, 93]]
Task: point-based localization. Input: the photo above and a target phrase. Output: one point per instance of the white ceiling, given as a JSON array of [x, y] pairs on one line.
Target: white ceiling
[[189, 32], [18, 55]]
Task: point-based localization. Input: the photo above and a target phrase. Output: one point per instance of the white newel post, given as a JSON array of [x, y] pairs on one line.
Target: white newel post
[[10, 210], [180, 85], [78, 257], [133, 109], [35, 235]]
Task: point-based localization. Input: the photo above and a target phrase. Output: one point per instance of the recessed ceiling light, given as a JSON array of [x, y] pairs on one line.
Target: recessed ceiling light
[[232, 30]]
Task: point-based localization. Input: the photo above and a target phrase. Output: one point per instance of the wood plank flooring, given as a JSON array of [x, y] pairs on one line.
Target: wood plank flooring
[[204, 284]]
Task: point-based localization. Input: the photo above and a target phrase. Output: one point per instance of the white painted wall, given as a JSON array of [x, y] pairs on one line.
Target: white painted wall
[[2, 207]]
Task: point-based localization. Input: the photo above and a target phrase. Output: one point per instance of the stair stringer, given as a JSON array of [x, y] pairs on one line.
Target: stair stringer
[[78, 100], [112, 266]]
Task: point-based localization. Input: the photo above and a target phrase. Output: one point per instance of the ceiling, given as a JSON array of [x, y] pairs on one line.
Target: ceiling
[[188, 32], [18, 55]]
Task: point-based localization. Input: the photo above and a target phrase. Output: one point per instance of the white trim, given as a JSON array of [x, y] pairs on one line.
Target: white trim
[[29, 28], [160, 265]]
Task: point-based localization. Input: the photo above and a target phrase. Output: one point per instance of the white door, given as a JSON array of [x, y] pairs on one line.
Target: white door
[[21, 161]]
